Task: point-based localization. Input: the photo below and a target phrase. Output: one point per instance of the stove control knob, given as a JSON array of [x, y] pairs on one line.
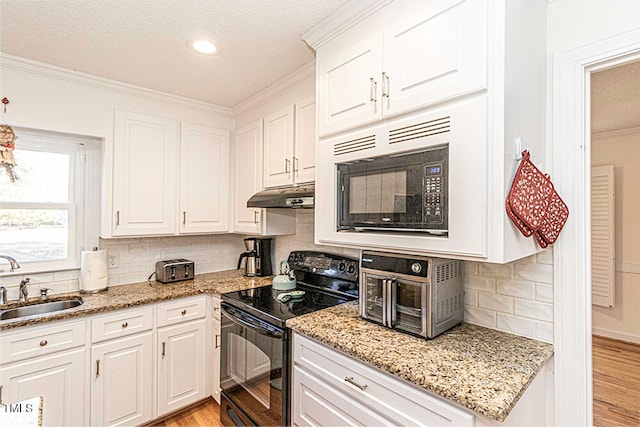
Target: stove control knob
[[351, 269], [416, 267], [342, 266]]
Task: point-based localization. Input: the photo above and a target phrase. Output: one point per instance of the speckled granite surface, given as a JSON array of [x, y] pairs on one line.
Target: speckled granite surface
[[480, 368], [123, 296]]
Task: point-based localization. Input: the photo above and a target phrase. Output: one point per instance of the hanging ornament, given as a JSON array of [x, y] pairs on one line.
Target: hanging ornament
[[7, 145]]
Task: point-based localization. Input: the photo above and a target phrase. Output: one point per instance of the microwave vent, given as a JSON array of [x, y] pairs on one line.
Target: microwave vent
[[353, 145], [420, 130], [448, 271]]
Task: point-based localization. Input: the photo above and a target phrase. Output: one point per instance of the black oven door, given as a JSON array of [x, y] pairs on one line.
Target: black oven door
[[253, 375]]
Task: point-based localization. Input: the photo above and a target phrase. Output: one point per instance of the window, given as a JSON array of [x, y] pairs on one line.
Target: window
[[46, 218]]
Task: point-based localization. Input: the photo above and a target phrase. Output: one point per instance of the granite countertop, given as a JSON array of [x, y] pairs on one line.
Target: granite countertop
[[482, 369], [135, 294]]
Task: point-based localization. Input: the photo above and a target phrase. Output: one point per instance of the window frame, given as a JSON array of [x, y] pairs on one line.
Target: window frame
[[83, 208]]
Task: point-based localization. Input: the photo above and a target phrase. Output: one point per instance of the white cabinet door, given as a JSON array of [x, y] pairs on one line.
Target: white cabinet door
[[204, 179], [182, 355], [122, 390], [435, 54], [248, 177], [59, 378], [348, 84], [145, 171], [278, 147], [304, 161], [216, 349]]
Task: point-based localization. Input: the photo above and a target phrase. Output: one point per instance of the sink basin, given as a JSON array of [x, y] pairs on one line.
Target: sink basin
[[39, 308]]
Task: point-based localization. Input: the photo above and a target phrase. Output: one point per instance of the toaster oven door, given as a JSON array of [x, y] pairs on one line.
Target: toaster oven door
[[373, 290], [408, 306]]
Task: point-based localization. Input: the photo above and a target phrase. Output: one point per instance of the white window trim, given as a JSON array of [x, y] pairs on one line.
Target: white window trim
[[84, 191]]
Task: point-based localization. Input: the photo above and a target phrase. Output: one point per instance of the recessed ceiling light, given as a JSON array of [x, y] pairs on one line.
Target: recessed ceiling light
[[203, 46]]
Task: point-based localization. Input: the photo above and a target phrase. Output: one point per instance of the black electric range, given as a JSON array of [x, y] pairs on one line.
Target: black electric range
[[255, 344]]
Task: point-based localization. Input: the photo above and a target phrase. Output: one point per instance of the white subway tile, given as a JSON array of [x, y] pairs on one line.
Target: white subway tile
[[528, 270], [544, 331], [486, 284], [471, 298], [499, 303], [480, 316], [544, 293], [470, 268], [516, 325], [496, 270], [517, 288], [66, 275], [545, 257], [534, 310]]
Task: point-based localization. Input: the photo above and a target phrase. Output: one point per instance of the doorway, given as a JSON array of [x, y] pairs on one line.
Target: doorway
[[615, 244], [572, 264]]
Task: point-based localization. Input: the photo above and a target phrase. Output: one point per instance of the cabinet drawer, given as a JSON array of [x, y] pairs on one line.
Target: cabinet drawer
[[40, 341], [392, 397], [181, 310], [121, 324]]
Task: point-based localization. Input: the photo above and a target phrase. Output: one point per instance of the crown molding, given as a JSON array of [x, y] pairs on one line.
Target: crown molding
[[25, 65], [301, 75], [616, 132], [341, 20]]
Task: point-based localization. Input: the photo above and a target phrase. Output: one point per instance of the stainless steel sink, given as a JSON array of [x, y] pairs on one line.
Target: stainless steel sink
[[39, 308]]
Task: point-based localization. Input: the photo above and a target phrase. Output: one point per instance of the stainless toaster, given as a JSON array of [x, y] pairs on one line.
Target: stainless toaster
[[175, 270]]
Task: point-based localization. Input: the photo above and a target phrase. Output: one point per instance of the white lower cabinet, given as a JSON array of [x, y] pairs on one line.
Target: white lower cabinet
[[330, 389], [122, 381], [47, 361], [181, 364]]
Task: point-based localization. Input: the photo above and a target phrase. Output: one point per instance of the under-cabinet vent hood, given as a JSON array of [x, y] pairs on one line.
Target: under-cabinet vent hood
[[290, 197]]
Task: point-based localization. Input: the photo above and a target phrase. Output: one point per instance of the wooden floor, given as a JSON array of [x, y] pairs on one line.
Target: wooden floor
[[206, 414], [616, 390], [616, 383]]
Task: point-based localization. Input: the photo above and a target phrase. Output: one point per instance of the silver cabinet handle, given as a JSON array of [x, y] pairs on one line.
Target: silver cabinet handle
[[125, 324], [217, 343], [287, 162], [351, 381], [385, 85], [373, 89], [295, 166], [1, 396], [184, 217], [97, 368], [117, 217], [256, 217], [164, 347], [43, 343]]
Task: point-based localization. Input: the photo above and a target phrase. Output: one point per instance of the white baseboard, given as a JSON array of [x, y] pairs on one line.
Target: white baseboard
[[621, 336]]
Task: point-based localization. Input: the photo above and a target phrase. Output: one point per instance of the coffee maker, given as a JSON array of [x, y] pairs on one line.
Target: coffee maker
[[258, 256]]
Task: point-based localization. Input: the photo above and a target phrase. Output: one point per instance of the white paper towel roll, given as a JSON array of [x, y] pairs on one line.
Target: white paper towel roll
[[94, 274]]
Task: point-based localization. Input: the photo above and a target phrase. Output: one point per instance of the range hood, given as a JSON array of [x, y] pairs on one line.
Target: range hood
[[301, 196]]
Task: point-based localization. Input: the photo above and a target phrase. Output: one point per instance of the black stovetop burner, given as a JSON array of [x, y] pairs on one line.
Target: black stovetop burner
[[326, 280]]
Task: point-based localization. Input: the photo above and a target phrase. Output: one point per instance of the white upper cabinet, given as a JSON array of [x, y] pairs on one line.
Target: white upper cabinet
[[145, 173], [165, 183], [304, 159], [401, 62], [204, 179], [278, 147], [290, 144]]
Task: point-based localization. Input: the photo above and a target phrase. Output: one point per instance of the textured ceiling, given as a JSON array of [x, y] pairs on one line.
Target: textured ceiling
[[143, 42], [615, 98]]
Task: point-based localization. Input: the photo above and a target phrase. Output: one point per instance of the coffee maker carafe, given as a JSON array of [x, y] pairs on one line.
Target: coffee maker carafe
[[258, 257]]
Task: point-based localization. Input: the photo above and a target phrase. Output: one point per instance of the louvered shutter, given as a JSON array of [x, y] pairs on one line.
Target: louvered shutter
[[603, 271]]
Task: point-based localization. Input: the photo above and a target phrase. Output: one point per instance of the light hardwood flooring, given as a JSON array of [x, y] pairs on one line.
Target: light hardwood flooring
[[616, 383], [616, 390]]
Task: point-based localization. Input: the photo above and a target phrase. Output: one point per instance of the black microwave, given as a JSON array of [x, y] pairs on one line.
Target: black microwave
[[398, 192]]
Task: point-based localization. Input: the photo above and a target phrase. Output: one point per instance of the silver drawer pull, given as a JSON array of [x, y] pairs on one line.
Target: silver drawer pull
[[43, 343], [350, 380], [183, 312], [125, 324]]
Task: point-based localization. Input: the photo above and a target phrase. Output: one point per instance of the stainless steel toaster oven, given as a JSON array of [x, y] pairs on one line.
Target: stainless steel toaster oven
[[419, 295], [175, 270]]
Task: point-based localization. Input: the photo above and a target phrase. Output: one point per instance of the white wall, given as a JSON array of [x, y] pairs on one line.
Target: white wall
[[622, 150]]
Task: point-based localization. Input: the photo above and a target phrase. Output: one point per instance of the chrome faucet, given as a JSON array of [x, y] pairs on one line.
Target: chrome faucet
[[3, 295], [24, 292], [12, 261]]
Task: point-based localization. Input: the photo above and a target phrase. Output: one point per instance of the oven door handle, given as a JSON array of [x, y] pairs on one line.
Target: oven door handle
[[251, 326]]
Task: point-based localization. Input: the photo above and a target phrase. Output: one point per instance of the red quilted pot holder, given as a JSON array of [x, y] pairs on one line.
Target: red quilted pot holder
[[533, 204]]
